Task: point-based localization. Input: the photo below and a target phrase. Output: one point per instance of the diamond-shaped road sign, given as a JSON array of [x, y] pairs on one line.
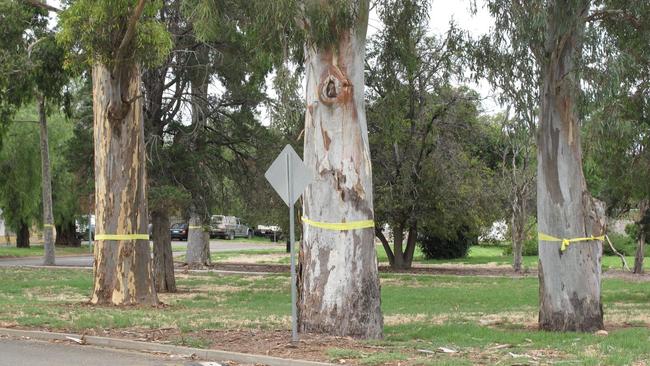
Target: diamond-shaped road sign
[[288, 168]]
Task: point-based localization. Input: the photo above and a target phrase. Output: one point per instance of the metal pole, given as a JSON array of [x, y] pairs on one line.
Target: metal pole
[[292, 238]]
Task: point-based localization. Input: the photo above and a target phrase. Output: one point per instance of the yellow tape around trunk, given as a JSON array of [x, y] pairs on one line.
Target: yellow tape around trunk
[[195, 227], [567, 242], [104, 237], [340, 226], [48, 225]]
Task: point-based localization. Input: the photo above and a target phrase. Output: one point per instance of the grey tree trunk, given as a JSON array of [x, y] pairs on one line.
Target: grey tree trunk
[[518, 234], [122, 268], [338, 285], [639, 255], [570, 292], [49, 230], [198, 243], [163, 259]]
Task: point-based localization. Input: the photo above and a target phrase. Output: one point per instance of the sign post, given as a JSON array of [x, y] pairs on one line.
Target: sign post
[[289, 176]]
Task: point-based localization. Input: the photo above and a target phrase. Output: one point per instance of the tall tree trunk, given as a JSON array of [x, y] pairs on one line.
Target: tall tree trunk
[[67, 235], [339, 290], [198, 243], [639, 255], [46, 185], [22, 236], [122, 269], [569, 294], [163, 259]]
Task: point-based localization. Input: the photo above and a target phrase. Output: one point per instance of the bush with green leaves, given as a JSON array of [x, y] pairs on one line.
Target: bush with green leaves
[[436, 246]]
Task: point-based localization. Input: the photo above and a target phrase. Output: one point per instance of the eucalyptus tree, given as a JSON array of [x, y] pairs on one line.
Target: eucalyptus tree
[[115, 39], [570, 277]]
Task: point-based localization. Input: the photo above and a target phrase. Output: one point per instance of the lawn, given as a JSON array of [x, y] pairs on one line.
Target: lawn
[[35, 250], [486, 320], [477, 255]]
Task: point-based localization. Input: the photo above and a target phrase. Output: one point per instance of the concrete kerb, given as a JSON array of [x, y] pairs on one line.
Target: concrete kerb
[[125, 344]]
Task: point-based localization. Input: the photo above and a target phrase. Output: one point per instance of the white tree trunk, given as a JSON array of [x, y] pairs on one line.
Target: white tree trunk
[[339, 289], [49, 231], [570, 297]]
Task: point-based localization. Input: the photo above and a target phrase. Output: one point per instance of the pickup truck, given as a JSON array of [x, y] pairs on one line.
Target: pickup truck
[[228, 227]]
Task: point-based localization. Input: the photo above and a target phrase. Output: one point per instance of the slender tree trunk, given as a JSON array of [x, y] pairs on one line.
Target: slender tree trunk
[[66, 235], [398, 241], [122, 268], [163, 259], [22, 235], [386, 245], [411, 242], [339, 290], [639, 255], [569, 294], [198, 243], [46, 185]]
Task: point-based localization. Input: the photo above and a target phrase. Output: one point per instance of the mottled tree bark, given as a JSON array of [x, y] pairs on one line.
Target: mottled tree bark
[[22, 235], [569, 281], [198, 243], [122, 268], [46, 185], [338, 282], [163, 259]]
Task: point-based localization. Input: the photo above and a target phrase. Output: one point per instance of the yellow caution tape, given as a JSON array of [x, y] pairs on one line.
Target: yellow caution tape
[[48, 225], [102, 237], [567, 242], [340, 225], [195, 227]]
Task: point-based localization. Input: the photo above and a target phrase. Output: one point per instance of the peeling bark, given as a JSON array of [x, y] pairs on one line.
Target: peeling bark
[[163, 259], [569, 282], [49, 231], [122, 269], [339, 290]]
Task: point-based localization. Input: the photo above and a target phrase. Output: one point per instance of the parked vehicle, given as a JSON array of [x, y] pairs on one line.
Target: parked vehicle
[[273, 232], [228, 227], [179, 231]]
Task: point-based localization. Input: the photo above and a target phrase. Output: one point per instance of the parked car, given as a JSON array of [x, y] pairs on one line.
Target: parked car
[[179, 231], [228, 227]]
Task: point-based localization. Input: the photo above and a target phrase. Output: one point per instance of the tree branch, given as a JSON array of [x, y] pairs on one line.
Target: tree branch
[[42, 5], [120, 55]]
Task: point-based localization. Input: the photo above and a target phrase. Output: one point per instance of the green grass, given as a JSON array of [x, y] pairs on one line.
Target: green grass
[[36, 250], [478, 255], [469, 314]]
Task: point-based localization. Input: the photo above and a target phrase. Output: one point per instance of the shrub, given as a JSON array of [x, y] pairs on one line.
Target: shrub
[[530, 244], [435, 247]]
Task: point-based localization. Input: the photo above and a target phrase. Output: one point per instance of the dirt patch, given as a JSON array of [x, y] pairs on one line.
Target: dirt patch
[[255, 258]]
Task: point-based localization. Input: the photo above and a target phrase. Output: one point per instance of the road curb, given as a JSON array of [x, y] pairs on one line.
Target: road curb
[[126, 344]]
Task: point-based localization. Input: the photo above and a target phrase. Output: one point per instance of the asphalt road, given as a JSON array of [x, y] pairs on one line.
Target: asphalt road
[[87, 260], [36, 353]]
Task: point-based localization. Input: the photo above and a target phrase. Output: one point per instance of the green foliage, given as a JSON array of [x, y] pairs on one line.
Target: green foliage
[[168, 198], [327, 21], [447, 247], [20, 167], [93, 30]]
